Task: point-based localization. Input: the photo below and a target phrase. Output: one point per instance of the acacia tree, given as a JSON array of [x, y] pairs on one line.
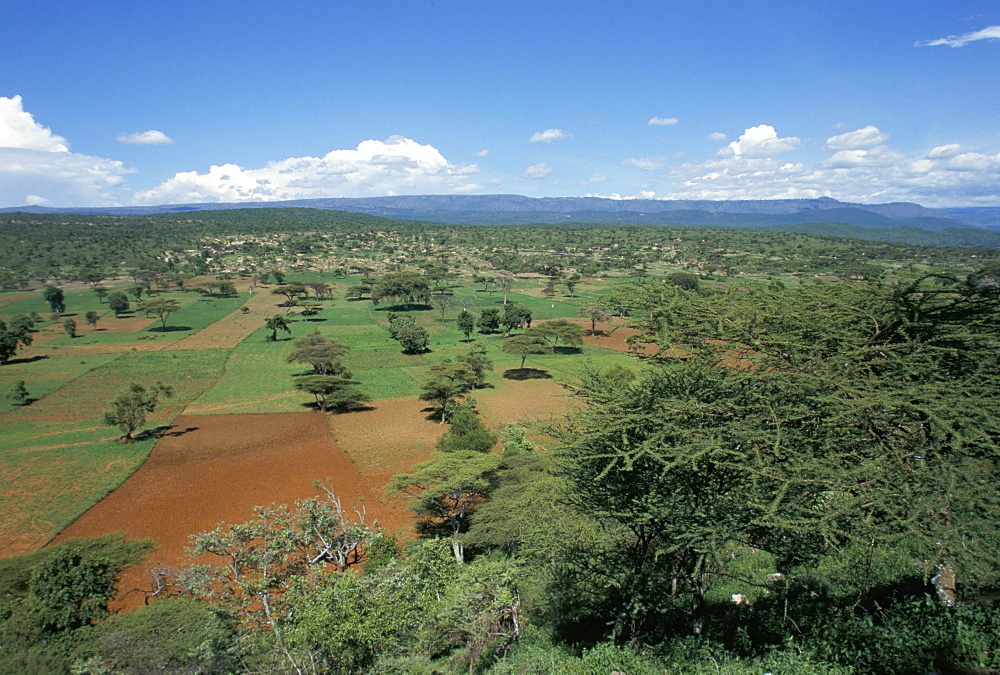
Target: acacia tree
[[274, 324], [332, 392], [161, 309], [559, 329], [525, 346], [320, 352], [255, 564], [92, 318], [131, 407], [595, 314]]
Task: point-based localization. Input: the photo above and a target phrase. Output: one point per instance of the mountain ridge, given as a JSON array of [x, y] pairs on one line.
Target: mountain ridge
[[499, 209]]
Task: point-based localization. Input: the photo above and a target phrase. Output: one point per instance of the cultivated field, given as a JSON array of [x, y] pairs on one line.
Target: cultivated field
[[236, 433]]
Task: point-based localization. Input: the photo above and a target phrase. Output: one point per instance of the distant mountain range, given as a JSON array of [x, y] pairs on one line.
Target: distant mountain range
[[516, 209]]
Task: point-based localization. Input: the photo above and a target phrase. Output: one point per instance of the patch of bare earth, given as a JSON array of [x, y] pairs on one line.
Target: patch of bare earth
[[233, 328], [210, 469]]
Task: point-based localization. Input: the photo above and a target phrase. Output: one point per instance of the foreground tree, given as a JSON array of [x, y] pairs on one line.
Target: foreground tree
[[130, 408], [255, 564]]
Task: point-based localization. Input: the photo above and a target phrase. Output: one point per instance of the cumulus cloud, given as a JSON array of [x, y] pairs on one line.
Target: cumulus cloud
[[18, 129], [151, 137], [861, 168], [717, 137], [482, 153], [988, 33], [37, 168], [595, 179], [662, 121], [759, 141], [644, 163], [549, 135], [537, 171], [868, 137], [395, 166]]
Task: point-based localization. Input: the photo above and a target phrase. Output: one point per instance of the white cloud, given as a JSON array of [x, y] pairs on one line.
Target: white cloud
[[151, 137], [988, 33], [395, 166], [717, 137], [867, 137], [482, 153], [549, 135], [18, 129], [944, 151], [595, 179], [759, 141], [645, 163], [662, 121], [537, 171], [880, 155], [37, 168], [945, 176]]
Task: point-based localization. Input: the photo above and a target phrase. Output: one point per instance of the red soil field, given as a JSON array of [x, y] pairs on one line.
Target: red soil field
[[209, 469]]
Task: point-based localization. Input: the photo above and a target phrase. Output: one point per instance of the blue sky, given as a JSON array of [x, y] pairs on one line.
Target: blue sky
[[118, 103]]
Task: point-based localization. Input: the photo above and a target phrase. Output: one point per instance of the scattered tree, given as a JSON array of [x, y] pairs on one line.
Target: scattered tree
[[332, 392], [559, 329], [525, 346], [466, 323], [131, 407], [69, 326], [596, 315], [274, 324], [55, 298], [118, 303], [505, 280], [319, 352], [489, 320], [514, 316], [92, 318], [160, 308]]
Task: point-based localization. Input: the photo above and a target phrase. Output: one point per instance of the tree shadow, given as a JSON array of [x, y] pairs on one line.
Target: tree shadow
[[168, 329], [161, 431], [411, 307], [521, 374], [28, 359], [566, 349]]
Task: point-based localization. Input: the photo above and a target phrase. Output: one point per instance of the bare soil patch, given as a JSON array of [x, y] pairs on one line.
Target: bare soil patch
[[528, 400], [233, 328], [209, 469]]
